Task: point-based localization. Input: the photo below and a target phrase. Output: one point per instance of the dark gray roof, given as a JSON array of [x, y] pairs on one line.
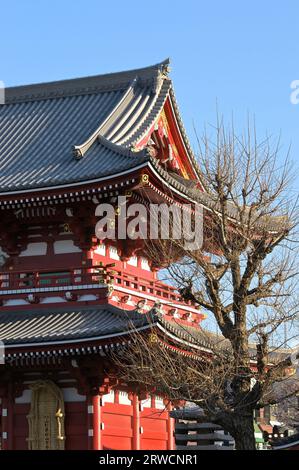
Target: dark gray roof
[[62, 325], [212, 341], [58, 325], [191, 412], [288, 441], [79, 130], [55, 133]]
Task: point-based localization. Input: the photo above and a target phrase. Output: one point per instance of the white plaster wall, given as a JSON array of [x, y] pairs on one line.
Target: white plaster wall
[[123, 398], [70, 394], [108, 398], [65, 246], [132, 261], [35, 249], [113, 253], [100, 249]]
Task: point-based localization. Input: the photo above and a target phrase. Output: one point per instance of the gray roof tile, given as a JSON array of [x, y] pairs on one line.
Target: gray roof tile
[[40, 125], [57, 325]]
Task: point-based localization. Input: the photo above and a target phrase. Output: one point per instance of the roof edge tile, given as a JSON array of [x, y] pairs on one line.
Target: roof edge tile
[[85, 85]]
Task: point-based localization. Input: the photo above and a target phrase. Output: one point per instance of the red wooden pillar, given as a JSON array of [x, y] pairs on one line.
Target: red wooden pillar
[[87, 261], [89, 257], [97, 423], [4, 424], [153, 401], [10, 426], [90, 422], [170, 429], [136, 422], [7, 409]]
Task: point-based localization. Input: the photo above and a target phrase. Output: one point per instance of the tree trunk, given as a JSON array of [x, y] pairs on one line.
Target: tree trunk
[[243, 432]]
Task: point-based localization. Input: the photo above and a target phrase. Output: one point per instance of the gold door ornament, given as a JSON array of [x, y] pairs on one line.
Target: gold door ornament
[[46, 417]]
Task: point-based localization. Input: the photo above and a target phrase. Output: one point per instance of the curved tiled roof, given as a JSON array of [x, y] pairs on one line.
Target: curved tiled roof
[[43, 126], [108, 82], [57, 326], [80, 130], [286, 442], [65, 325]]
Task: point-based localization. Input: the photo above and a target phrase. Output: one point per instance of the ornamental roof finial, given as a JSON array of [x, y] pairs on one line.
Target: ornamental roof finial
[[165, 68]]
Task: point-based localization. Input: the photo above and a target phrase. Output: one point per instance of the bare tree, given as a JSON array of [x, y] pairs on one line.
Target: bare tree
[[245, 277]]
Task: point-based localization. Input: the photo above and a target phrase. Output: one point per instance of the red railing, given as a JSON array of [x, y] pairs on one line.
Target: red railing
[[146, 286], [78, 276], [13, 280]]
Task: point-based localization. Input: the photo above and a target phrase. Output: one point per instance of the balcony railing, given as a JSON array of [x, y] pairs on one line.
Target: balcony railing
[[15, 280], [147, 286], [20, 281]]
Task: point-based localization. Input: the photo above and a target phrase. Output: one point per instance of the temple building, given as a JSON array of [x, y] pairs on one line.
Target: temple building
[[71, 298], [67, 298]]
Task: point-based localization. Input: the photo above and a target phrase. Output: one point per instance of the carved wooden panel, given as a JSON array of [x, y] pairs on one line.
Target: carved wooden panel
[[46, 417]]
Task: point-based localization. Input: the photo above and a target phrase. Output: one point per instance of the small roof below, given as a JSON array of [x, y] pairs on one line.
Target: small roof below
[[54, 326], [67, 325], [288, 442]]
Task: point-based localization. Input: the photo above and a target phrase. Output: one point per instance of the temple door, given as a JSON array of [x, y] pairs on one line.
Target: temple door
[[46, 417]]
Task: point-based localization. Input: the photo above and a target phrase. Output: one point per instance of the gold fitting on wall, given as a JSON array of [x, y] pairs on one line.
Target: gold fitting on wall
[[144, 178], [66, 228], [153, 338]]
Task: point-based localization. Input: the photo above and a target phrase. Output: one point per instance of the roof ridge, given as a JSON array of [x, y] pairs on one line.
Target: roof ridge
[[85, 85], [80, 150], [154, 112], [125, 151]]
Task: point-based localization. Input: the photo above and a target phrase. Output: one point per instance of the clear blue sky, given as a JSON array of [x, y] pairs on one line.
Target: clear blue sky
[[243, 54]]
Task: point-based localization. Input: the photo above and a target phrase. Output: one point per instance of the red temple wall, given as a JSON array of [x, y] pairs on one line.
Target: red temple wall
[[117, 432], [117, 426], [154, 424], [52, 259]]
